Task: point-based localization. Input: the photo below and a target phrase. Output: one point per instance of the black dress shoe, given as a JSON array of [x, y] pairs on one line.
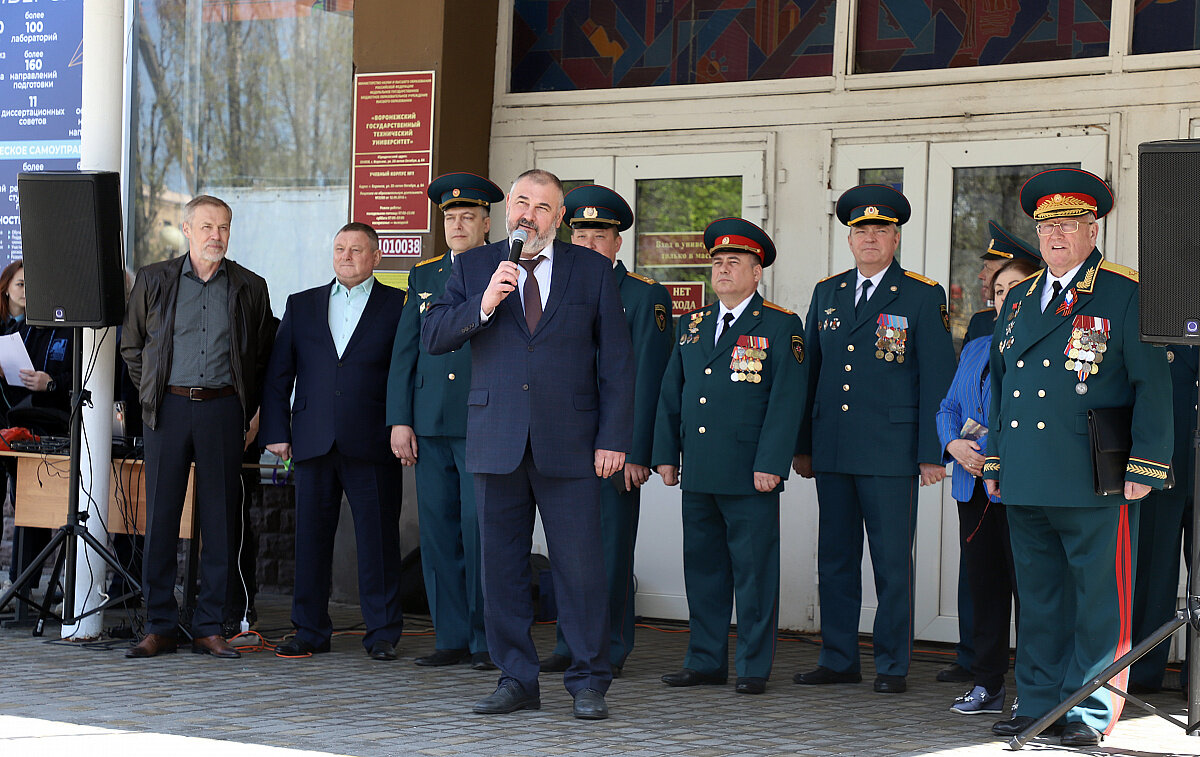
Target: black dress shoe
[[382, 650], [955, 673], [293, 648], [823, 675], [590, 705], [555, 663], [508, 697], [689, 677], [751, 685], [482, 661], [442, 657], [1016, 725], [1080, 734], [890, 684], [617, 670]]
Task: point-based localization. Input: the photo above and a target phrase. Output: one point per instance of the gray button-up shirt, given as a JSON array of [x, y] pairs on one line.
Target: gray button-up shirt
[[200, 343]]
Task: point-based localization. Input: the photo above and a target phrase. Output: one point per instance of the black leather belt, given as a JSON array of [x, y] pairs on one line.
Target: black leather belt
[[197, 393]]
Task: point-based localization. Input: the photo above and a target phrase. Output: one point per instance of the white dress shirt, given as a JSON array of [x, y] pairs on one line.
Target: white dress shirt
[[737, 313], [858, 287], [1048, 288]]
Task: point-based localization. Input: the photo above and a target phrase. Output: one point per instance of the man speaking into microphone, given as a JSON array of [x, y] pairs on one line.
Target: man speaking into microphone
[[550, 413]]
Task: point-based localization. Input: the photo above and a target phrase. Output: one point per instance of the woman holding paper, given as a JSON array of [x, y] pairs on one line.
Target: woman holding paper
[[983, 525], [47, 386]]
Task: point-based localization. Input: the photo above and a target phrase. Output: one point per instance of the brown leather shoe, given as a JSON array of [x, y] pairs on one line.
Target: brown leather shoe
[[153, 644], [216, 646]]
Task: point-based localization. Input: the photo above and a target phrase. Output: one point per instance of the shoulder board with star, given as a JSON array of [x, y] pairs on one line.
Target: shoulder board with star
[[780, 308], [641, 278], [430, 260], [834, 276], [1120, 270], [923, 279]]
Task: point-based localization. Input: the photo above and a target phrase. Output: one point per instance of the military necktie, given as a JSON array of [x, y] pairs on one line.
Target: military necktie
[[862, 298], [726, 322], [531, 298], [1055, 290]]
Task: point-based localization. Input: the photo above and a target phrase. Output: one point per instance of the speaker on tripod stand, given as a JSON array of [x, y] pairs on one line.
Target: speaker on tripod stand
[[74, 277]]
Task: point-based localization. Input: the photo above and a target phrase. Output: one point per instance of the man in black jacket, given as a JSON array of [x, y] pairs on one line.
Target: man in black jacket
[[197, 336]]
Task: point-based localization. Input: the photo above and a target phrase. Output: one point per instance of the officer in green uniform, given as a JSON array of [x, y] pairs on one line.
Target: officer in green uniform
[[1165, 518], [1002, 247], [730, 403], [597, 216], [427, 409], [1068, 342], [880, 362]]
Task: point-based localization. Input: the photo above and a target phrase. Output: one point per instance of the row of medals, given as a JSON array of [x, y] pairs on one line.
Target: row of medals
[[1087, 352], [890, 344], [746, 364]]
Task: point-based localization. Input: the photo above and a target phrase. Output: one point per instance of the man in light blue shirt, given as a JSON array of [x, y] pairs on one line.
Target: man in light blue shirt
[[335, 347]]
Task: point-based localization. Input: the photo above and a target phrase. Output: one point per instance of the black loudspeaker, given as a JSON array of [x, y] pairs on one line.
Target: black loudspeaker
[[71, 244], [1168, 250]]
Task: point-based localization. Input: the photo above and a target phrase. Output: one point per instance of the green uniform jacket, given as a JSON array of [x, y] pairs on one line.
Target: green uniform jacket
[[648, 313], [728, 430], [983, 323], [866, 415], [1038, 445], [427, 392]]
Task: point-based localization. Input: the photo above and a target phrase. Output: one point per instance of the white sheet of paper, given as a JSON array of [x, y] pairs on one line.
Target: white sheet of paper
[[14, 358]]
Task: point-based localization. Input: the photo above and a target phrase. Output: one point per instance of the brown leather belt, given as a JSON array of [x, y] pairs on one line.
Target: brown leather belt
[[197, 393]]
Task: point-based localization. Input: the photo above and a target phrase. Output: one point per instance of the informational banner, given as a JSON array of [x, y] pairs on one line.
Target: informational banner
[[41, 81], [669, 249], [393, 151], [685, 296]]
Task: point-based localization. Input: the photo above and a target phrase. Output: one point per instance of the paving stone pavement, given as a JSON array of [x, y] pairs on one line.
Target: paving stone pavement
[[346, 703]]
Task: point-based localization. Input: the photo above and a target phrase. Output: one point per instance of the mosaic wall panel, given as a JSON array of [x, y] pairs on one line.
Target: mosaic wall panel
[[597, 44]]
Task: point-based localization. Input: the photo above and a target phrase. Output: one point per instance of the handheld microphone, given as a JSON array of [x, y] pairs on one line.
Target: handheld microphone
[[516, 242]]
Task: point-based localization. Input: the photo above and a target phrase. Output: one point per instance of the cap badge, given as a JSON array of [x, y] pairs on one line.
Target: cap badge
[[456, 192], [725, 240], [871, 210], [590, 212]]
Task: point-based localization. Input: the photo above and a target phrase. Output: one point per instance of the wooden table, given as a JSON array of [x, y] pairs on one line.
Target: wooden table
[[43, 487]]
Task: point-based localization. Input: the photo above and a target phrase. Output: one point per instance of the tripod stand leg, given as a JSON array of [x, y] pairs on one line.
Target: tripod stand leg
[[1162, 634], [35, 569], [40, 626]]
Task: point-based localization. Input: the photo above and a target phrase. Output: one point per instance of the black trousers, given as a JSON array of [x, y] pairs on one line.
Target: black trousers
[[987, 556], [373, 490], [211, 434]]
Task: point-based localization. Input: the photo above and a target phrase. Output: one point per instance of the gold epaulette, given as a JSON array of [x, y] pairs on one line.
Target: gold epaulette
[[640, 277], [920, 278], [780, 308], [834, 276], [1120, 270], [430, 260], [1036, 278]]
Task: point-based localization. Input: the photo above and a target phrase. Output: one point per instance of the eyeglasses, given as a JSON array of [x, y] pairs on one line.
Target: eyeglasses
[[1066, 227]]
